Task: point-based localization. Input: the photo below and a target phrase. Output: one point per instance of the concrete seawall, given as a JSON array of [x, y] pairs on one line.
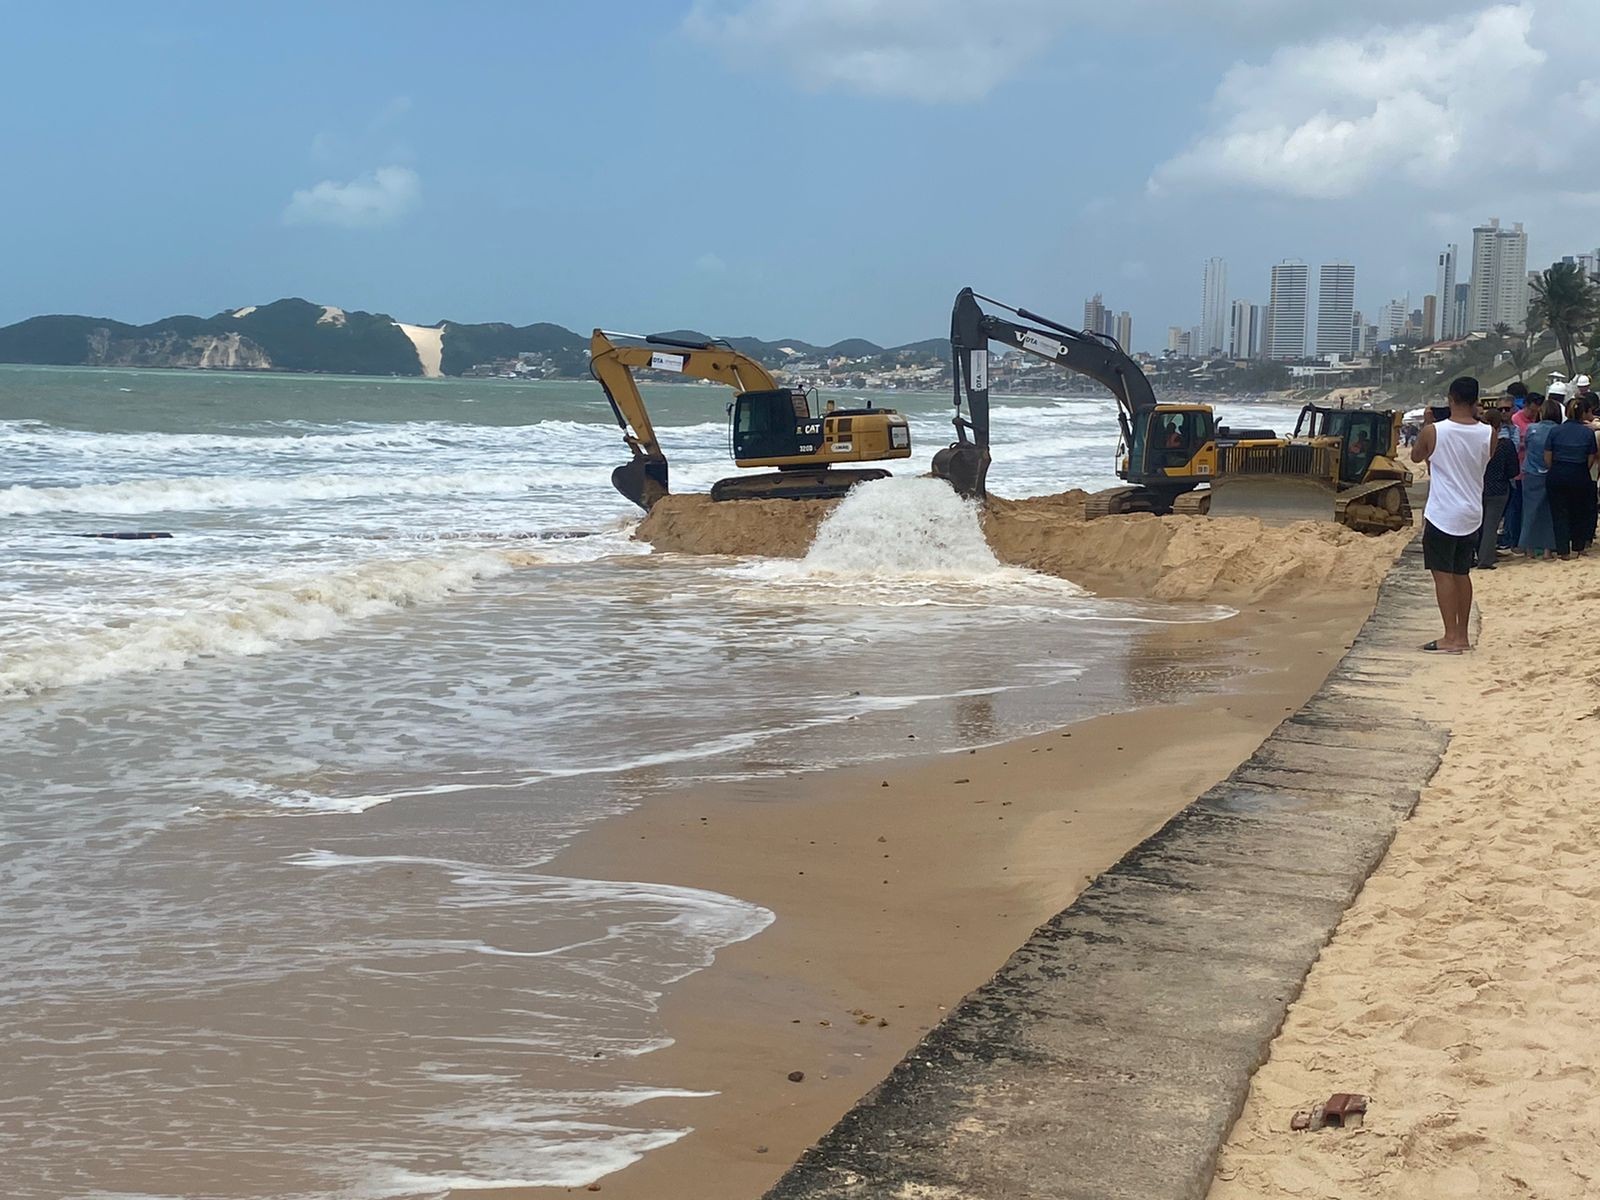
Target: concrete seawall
[[1110, 1055]]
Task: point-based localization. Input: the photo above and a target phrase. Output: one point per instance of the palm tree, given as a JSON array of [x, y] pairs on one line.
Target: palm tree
[[1565, 302], [1521, 356]]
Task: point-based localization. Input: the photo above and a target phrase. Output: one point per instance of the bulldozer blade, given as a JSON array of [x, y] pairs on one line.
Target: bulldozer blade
[[1277, 500], [644, 481], [964, 467]]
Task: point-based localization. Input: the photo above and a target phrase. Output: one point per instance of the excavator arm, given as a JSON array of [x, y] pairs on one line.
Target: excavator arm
[[965, 464], [612, 362]]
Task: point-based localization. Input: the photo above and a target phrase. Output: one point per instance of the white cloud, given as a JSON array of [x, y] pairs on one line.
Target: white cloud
[[710, 264], [928, 50], [380, 198], [1428, 105], [961, 50]]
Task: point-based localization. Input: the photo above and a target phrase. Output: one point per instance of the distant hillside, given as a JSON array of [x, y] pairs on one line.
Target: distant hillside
[[288, 335], [297, 335], [789, 350], [467, 345]]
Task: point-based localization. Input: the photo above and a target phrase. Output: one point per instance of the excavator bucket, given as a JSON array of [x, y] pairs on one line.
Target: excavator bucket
[[644, 481], [1275, 499], [964, 467]]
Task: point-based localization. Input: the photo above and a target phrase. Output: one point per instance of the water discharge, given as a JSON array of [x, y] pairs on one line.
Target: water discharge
[[917, 527]]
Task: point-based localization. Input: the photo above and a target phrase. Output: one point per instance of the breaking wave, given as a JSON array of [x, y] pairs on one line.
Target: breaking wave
[[248, 620], [226, 491]]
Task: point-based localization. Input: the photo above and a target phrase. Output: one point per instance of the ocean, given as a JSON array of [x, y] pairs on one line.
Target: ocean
[[276, 792]]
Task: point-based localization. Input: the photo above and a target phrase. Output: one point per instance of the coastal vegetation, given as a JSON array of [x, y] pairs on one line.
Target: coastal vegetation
[[1567, 303]]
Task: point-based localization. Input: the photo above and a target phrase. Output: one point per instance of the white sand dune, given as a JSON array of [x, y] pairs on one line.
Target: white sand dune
[[430, 347], [1459, 991]]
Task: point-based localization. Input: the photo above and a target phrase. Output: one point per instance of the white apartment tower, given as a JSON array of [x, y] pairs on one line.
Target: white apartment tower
[[1336, 303], [1124, 330], [1244, 339], [1445, 289], [1286, 335], [1214, 309], [1499, 291]]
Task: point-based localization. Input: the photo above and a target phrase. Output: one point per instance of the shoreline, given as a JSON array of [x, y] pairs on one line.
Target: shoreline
[[892, 903]]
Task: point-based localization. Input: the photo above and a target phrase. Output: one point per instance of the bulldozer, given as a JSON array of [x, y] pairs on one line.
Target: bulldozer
[[769, 425], [1175, 458], [1343, 461]]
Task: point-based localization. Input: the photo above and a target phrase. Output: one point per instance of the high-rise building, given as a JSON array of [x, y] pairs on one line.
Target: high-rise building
[[1177, 341], [1392, 319], [1244, 330], [1459, 309], [1499, 277], [1124, 331], [1336, 301], [1445, 288], [1430, 317], [1094, 314], [1214, 309], [1358, 339], [1286, 337]]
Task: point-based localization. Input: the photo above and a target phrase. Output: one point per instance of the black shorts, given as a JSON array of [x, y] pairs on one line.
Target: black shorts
[[1447, 552]]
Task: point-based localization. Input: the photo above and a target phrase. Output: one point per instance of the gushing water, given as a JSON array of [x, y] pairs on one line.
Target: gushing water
[[903, 527]]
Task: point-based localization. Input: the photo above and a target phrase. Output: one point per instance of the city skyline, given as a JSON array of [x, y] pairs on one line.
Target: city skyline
[[1498, 291]]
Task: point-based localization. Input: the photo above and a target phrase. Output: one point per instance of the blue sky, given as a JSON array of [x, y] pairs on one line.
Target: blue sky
[[797, 168]]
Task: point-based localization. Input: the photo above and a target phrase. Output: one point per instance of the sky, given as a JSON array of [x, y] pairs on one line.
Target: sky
[[813, 169]]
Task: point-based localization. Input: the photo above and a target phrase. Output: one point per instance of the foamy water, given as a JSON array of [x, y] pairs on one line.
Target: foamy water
[[278, 794]]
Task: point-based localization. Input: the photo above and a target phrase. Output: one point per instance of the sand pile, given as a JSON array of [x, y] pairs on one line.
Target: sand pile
[[1191, 558], [694, 524], [1170, 558]]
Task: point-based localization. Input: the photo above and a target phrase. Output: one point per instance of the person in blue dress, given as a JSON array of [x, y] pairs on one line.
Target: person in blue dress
[[1538, 533]]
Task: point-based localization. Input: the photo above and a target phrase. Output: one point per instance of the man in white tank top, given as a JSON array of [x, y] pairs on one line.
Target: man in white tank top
[[1456, 449]]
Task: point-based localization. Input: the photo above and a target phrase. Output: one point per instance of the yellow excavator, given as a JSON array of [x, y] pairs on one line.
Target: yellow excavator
[[769, 425], [1338, 463]]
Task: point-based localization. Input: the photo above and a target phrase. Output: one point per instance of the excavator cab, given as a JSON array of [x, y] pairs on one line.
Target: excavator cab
[[773, 424], [1171, 441]]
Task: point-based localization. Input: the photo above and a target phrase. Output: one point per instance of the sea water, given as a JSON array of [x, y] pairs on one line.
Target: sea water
[[276, 792]]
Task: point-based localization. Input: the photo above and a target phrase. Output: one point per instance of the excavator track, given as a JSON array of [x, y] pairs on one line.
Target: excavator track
[[793, 485], [1110, 502], [1376, 507], [1130, 499], [1192, 504]]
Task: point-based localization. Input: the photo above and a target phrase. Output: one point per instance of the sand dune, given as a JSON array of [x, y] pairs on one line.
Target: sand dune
[[1172, 558], [430, 347], [1459, 991]]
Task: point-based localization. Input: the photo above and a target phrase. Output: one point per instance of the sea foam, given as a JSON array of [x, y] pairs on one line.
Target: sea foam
[[248, 620]]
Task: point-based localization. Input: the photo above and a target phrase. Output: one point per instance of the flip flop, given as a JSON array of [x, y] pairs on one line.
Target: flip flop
[[1435, 648]]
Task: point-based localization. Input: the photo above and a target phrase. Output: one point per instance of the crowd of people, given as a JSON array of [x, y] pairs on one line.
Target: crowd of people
[[1515, 476], [1550, 505]]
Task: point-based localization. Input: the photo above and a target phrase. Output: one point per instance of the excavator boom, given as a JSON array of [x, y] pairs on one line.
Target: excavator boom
[[644, 478], [965, 464], [772, 426]]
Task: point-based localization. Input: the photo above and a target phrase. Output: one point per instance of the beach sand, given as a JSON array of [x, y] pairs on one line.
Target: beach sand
[[900, 887], [1459, 991], [1229, 560]]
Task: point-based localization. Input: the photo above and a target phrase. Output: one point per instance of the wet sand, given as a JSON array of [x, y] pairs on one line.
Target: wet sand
[[892, 902]]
